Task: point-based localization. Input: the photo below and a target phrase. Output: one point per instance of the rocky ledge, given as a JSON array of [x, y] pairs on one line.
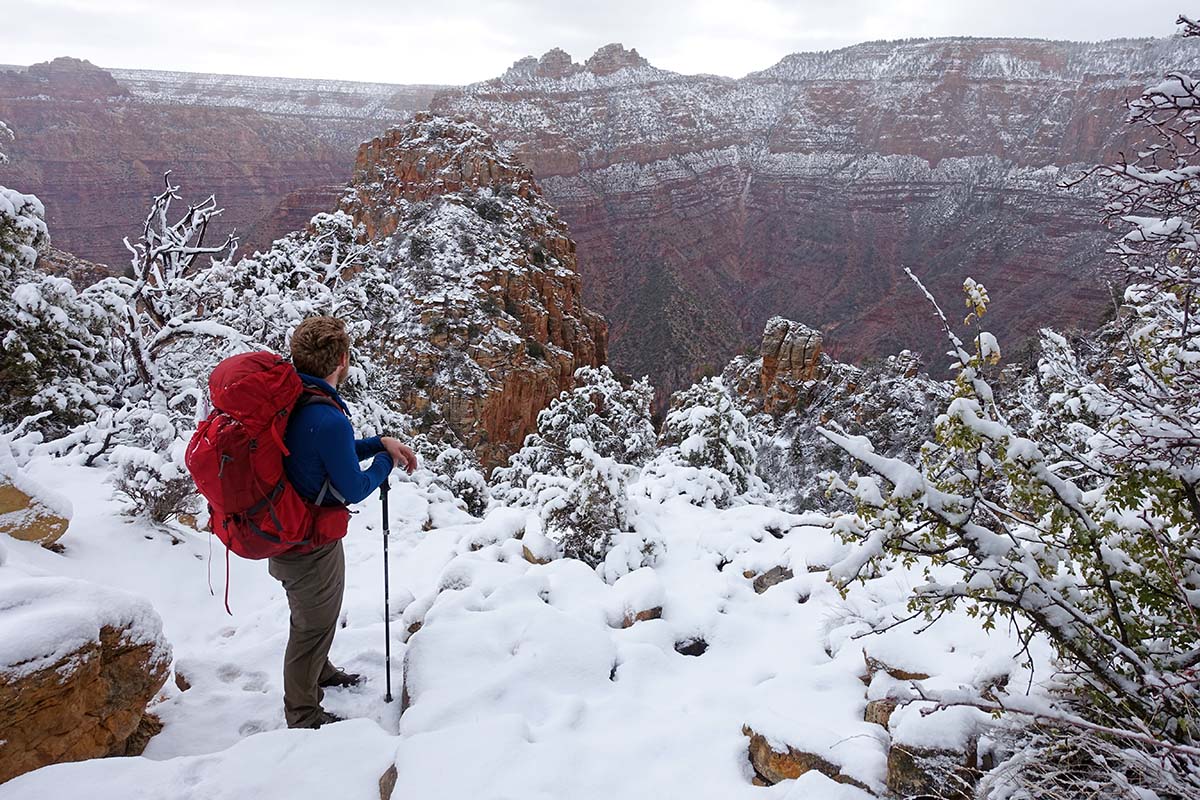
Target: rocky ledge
[[78, 664]]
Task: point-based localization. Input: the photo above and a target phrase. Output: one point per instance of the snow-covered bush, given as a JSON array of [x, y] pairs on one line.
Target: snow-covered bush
[[163, 345], [582, 510], [575, 469], [708, 451], [320, 270], [6, 135], [459, 473], [52, 355], [1096, 549], [611, 417]]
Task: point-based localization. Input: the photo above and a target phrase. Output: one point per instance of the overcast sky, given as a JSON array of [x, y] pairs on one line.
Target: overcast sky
[[459, 41]]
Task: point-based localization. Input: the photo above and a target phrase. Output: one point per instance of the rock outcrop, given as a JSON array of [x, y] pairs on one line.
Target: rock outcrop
[[492, 324], [773, 763], [27, 518], [792, 387], [78, 664], [79, 271], [791, 357]]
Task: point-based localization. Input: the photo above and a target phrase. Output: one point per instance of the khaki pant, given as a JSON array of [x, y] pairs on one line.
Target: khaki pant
[[314, 583]]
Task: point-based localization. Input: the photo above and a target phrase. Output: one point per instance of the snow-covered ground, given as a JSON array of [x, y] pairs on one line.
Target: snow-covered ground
[[522, 682]]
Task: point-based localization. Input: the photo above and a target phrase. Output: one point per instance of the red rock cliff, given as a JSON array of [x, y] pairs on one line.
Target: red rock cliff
[[492, 323]]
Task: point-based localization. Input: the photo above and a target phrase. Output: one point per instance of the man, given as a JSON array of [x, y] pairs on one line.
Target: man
[[323, 466]]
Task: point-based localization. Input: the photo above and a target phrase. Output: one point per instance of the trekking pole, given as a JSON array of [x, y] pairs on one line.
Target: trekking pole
[[387, 617]]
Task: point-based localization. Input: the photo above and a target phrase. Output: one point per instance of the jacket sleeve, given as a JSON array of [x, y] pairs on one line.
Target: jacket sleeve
[[365, 448], [339, 455]]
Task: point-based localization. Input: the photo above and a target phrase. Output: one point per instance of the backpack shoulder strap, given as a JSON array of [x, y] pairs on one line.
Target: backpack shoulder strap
[[314, 396], [310, 396]]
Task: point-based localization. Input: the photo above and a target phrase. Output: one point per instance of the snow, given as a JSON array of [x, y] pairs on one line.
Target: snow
[[277, 765], [45, 619], [520, 678]]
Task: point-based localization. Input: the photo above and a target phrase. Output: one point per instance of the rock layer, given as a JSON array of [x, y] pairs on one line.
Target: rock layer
[[93, 144]]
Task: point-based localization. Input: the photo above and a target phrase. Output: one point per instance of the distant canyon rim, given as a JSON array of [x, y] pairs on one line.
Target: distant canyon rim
[[701, 205]]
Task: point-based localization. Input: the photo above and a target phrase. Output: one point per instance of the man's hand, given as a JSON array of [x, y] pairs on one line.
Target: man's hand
[[402, 455]]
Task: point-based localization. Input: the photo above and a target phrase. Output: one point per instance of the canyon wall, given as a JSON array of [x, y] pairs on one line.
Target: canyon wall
[[703, 206], [93, 144]]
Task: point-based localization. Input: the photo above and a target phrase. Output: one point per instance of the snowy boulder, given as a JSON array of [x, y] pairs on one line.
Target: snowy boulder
[[934, 753], [28, 517], [510, 653], [876, 666], [640, 597], [772, 577], [78, 664], [880, 711], [773, 762], [536, 547]]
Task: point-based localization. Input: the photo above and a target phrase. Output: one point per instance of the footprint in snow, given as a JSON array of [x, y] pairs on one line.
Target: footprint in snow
[[255, 682], [228, 673]]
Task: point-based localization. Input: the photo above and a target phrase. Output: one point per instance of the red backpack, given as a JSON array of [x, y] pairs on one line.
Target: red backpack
[[236, 459]]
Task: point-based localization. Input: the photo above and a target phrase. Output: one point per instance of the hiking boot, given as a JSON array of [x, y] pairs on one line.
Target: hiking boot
[[342, 680], [327, 718]]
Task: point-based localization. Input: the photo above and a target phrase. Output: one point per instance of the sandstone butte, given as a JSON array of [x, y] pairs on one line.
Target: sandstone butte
[[518, 317]]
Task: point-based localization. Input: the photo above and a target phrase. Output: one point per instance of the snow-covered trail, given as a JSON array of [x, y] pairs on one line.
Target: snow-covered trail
[[523, 682]]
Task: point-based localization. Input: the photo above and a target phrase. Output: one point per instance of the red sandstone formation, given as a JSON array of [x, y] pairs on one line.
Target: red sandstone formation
[[493, 324]]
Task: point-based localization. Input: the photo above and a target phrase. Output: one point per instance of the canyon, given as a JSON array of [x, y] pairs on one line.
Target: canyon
[[702, 206], [93, 145]]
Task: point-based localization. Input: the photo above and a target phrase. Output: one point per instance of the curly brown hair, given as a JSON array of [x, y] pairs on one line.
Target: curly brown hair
[[318, 344]]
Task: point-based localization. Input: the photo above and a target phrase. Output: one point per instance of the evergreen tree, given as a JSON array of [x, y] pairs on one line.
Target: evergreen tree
[[52, 358], [611, 417], [574, 470], [708, 451]]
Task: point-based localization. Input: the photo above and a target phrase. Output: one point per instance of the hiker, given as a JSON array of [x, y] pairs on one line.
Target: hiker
[[323, 466]]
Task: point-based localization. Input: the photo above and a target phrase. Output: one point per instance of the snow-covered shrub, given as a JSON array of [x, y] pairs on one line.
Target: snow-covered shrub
[[708, 451], [611, 417], [320, 270], [1098, 553], [156, 487], [582, 510], [575, 469], [459, 473], [162, 345], [52, 355], [6, 135]]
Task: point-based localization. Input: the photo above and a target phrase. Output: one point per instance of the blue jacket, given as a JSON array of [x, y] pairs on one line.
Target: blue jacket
[[322, 445]]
